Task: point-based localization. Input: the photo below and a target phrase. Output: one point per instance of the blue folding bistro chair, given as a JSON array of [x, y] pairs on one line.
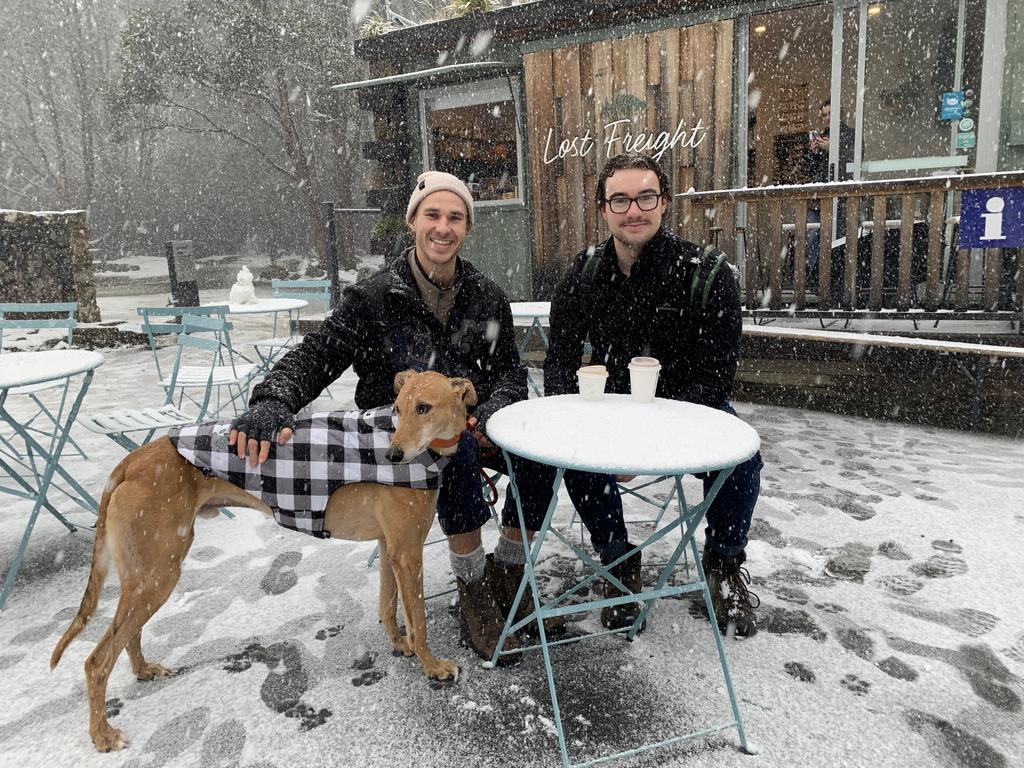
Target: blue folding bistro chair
[[34, 316], [132, 427]]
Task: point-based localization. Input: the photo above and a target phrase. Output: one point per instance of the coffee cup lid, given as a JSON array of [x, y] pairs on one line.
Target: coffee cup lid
[[592, 370], [645, 362]]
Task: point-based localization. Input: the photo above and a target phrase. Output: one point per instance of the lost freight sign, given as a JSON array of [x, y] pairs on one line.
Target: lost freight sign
[[618, 138]]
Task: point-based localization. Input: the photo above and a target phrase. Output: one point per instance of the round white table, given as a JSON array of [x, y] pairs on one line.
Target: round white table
[[24, 369], [531, 310], [21, 369], [268, 350], [616, 435], [267, 306]]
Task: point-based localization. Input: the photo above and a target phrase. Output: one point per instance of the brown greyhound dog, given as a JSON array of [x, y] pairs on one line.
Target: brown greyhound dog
[[146, 526]]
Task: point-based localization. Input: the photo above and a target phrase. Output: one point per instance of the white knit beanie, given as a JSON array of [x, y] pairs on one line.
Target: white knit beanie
[[437, 181]]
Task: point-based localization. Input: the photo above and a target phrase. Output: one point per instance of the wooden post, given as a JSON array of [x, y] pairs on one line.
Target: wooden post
[[753, 268], [961, 301], [346, 239], [935, 226], [877, 254], [903, 289], [775, 262], [825, 255], [331, 252], [800, 253], [993, 260], [1020, 291], [852, 256]]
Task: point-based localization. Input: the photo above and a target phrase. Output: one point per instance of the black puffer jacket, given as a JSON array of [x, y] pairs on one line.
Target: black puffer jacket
[[680, 304], [383, 327]]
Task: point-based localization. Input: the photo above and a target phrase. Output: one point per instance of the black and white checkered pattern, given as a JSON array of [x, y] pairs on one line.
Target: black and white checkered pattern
[[328, 450]]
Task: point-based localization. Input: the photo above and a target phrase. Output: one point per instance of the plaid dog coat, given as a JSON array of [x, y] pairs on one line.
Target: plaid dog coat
[[328, 450]]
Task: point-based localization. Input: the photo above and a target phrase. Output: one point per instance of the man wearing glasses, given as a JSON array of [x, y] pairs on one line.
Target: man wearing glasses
[[646, 292]]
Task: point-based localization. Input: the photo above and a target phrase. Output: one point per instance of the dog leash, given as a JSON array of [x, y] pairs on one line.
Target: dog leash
[[493, 499]]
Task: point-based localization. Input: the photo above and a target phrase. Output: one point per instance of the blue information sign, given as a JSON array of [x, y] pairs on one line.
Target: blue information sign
[[992, 218], [952, 105]]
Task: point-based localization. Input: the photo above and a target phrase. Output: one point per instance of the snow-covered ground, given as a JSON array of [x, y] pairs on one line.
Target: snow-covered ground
[[886, 557]]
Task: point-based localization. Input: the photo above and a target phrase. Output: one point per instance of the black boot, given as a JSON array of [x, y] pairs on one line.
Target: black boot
[[732, 601], [505, 581], [621, 616], [484, 620]]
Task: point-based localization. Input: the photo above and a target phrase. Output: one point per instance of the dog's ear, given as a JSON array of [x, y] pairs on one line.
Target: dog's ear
[[465, 390], [401, 377]]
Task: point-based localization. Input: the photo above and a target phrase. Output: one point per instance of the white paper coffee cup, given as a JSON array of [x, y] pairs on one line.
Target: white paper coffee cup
[[643, 378], [592, 379]]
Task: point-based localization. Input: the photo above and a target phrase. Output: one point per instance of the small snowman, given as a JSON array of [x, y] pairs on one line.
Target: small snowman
[[242, 291]]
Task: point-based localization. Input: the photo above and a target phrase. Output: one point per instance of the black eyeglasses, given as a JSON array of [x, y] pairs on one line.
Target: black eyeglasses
[[648, 201]]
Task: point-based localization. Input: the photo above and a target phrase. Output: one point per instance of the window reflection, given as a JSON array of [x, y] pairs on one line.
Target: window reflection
[[471, 133]]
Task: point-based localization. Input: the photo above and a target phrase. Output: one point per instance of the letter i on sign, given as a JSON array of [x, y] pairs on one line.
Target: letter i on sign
[[993, 219]]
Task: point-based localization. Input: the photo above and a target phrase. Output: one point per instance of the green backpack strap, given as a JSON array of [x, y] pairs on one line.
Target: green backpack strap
[[707, 279], [590, 270]]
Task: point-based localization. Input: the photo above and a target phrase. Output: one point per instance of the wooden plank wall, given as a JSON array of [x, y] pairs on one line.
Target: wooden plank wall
[[677, 74]]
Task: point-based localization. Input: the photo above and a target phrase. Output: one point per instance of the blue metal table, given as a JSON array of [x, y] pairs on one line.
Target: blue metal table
[[534, 316], [20, 369], [268, 350], [619, 436]]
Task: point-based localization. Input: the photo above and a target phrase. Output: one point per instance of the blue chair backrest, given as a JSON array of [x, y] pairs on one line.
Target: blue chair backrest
[[313, 291], [161, 321], [36, 316], [208, 333]]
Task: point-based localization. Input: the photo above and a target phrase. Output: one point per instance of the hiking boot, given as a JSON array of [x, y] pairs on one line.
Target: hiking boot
[[622, 616], [484, 620], [733, 602], [505, 581]]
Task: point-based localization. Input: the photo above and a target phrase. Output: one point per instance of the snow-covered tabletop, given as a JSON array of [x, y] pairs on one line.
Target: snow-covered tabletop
[[18, 369], [266, 306], [620, 436]]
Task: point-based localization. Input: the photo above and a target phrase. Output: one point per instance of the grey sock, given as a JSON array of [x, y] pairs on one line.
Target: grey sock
[[469, 567], [509, 551]]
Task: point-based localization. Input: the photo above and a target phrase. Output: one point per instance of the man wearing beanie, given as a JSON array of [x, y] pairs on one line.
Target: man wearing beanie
[[428, 310]]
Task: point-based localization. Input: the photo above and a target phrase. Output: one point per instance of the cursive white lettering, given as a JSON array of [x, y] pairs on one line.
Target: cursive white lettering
[[656, 144], [577, 146]]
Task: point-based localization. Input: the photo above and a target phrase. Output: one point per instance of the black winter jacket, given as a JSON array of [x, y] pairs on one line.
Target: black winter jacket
[[680, 304], [383, 327]]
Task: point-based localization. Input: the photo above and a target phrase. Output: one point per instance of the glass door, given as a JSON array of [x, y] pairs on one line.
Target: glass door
[[789, 67]]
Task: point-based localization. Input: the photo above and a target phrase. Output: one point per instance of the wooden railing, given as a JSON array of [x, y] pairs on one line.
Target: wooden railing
[[923, 272]]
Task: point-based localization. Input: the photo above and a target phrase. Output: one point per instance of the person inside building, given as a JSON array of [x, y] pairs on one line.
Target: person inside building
[[817, 172]]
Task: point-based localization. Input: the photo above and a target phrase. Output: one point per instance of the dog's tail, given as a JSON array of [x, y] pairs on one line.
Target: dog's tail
[[98, 572]]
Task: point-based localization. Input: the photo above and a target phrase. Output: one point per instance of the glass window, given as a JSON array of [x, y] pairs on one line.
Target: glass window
[[910, 61], [790, 65], [470, 131]]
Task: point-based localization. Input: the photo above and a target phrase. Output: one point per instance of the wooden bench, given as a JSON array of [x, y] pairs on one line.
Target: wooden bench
[[829, 316], [974, 360]]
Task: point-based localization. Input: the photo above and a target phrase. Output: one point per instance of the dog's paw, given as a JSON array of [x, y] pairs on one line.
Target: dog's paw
[[442, 670], [400, 648], [108, 739], [151, 670]]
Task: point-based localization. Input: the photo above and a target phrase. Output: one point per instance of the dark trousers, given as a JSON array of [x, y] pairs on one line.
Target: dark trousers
[[461, 507]]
